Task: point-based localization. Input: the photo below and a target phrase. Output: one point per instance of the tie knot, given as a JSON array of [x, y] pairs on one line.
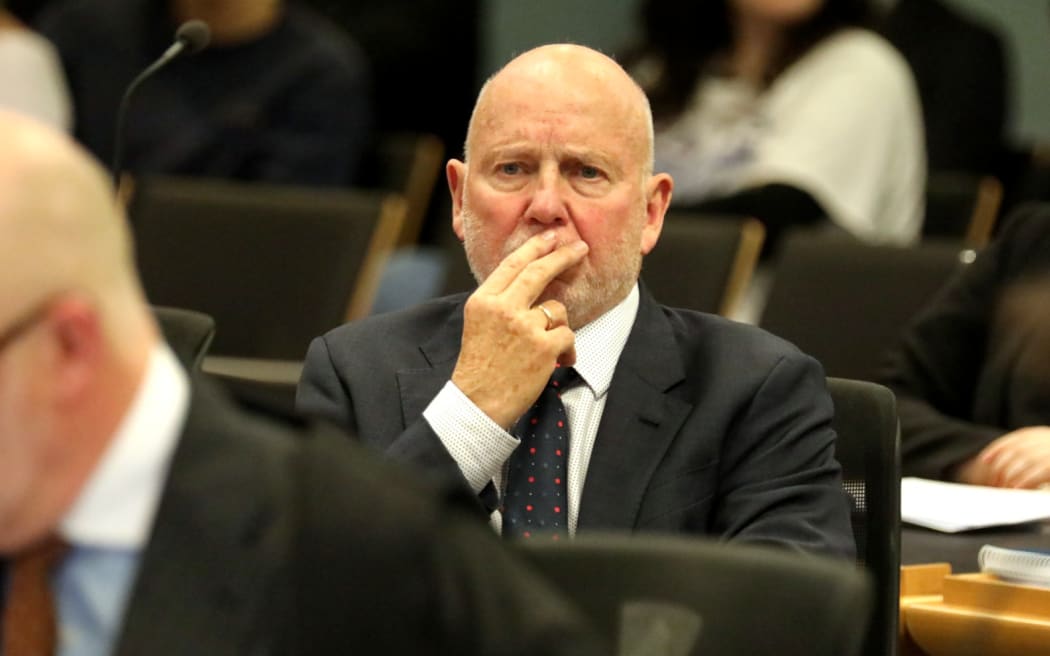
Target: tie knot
[[564, 378]]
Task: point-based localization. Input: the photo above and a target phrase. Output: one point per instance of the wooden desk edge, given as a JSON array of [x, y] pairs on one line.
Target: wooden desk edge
[[945, 614]]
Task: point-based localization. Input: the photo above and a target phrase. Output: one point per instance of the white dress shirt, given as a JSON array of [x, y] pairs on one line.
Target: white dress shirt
[[110, 522], [482, 448]]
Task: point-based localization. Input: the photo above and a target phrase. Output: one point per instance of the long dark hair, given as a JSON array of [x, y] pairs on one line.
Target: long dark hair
[[682, 37]]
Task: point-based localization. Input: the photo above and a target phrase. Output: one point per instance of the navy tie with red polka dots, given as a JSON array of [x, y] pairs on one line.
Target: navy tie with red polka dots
[[535, 501]]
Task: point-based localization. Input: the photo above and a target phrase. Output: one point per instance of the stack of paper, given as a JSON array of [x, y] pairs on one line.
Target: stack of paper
[[953, 507]]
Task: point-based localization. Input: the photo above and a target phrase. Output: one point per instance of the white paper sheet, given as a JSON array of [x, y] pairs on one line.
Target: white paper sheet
[[954, 507]]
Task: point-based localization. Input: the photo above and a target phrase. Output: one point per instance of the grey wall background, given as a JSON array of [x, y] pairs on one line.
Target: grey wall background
[[511, 26], [1026, 25]]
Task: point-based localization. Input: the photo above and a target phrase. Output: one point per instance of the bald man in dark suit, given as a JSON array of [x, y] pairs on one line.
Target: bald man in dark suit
[[683, 422]]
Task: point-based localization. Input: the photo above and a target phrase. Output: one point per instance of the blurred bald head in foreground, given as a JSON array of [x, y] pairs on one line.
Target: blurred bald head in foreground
[[75, 332]]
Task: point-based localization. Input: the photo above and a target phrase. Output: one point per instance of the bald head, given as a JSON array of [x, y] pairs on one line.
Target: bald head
[[79, 333], [61, 228], [575, 75]]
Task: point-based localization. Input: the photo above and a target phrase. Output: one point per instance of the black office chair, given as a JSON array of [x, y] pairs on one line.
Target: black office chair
[[275, 266], [679, 596], [961, 206], [845, 302], [263, 384], [188, 333], [703, 262], [409, 164], [868, 448]]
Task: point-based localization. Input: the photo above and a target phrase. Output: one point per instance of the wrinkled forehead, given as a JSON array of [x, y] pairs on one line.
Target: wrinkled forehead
[[594, 101]]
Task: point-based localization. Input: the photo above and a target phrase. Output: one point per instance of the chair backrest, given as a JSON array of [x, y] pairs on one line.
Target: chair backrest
[[409, 164], [275, 266], [845, 302], [868, 447], [962, 206], [654, 594], [703, 262], [262, 384], [188, 333]]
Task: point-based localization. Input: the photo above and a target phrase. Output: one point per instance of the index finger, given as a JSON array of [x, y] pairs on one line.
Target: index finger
[[538, 274], [535, 247]]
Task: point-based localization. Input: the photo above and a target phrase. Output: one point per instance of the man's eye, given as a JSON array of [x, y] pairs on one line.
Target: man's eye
[[590, 172], [510, 168]]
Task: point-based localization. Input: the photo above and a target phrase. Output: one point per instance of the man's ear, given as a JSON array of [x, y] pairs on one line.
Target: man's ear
[[456, 173], [76, 347], [658, 197]]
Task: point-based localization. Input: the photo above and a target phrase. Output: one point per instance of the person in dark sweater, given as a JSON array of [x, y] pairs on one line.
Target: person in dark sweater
[[972, 373], [280, 95]]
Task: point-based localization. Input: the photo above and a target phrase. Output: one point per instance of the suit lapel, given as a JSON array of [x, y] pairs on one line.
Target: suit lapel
[[418, 387], [219, 533], [639, 422]]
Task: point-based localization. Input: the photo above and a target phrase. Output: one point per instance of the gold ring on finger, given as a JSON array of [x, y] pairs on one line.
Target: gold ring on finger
[[547, 313]]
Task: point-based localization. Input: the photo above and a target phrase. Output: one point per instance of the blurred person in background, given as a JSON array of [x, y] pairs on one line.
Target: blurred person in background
[[972, 373], [31, 78], [281, 95], [786, 110], [962, 74]]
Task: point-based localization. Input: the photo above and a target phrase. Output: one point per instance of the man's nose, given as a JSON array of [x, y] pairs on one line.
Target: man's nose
[[547, 204]]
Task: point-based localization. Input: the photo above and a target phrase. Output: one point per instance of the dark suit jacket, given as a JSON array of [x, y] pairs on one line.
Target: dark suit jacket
[[710, 427], [272, 539], [969, 369]]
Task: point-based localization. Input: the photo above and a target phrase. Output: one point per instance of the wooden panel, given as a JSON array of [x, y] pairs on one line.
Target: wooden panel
[[977, 614]]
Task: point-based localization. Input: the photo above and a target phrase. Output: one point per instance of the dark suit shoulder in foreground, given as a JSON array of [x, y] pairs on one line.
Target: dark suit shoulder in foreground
[[290, 540]]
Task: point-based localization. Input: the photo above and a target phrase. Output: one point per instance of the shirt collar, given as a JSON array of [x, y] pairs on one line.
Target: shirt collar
[[600, 343], [116, 507]]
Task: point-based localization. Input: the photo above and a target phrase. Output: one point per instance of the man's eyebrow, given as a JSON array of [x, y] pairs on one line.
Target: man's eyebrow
[[591, 156]]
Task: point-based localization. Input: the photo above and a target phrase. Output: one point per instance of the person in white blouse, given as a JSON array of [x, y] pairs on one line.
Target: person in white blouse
[[787, 110]]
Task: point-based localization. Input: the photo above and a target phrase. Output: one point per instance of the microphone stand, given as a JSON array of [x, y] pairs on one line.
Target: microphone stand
[[191, 37]]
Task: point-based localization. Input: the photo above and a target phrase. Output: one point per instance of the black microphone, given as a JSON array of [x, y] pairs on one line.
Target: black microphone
[[191, 37]]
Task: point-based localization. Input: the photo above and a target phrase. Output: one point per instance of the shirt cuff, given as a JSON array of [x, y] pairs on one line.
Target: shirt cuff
[[477, 444]]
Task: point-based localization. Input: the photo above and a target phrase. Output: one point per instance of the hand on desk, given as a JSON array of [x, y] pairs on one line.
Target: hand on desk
[[1019, 459], [510, 346]]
